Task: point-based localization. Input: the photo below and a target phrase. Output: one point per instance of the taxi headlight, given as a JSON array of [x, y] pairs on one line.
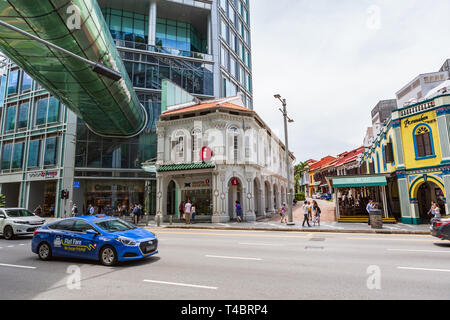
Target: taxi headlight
[[126, 241]]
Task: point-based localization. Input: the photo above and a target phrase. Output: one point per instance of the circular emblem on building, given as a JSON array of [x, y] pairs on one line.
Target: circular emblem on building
[[206, 154]]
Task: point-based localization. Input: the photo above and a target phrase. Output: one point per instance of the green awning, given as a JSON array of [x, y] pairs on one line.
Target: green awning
[[186, 166], [359, 181]]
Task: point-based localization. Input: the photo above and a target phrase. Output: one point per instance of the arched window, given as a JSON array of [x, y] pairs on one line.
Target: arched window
[[423, 142], [233, 144], [178, 147], [196, 144]]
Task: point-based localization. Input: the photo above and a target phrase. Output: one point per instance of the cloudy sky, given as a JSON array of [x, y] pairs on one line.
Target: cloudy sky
[[333, 60]]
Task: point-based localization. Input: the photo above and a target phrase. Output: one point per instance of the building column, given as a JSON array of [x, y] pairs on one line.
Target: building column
[[249, 214], [398, 143], [443, 120], [209, 35], [152, 11], [405, 206], [446, 178], [220, 214]]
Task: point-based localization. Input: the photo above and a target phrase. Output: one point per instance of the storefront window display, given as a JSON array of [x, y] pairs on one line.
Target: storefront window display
[[107, 196]]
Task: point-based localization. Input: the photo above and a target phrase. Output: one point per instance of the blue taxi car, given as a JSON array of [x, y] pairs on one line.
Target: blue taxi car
[[98, 237]]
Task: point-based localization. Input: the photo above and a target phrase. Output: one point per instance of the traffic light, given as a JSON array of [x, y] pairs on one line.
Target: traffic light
[[64, 194]]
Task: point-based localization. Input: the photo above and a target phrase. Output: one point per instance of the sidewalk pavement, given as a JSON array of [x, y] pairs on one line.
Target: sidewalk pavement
[[275, 225]]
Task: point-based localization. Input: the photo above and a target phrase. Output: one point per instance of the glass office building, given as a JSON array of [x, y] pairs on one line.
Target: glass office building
[[202, 46]]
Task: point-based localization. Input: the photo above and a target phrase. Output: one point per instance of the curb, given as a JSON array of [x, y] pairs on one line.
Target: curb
[[375, 231]]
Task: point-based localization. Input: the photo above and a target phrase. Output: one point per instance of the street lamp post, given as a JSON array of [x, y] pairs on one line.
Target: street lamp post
[[288, 167]]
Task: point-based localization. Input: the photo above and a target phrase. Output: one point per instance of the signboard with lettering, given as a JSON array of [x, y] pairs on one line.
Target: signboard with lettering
[[43, 175]]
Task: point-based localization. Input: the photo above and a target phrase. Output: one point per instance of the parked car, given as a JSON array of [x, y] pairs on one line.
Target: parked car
[[18, 221], [440, 228], [316, 195], [99, 237], [326, 196]]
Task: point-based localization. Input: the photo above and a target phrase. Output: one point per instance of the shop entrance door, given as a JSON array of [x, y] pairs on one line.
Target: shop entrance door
[[429, 191], [49, 199], [171, 199], [234, 194]]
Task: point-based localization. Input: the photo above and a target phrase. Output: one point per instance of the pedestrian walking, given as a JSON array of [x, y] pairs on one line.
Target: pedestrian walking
[[140, 212], [91, 210], [123, 211], [193, 210], [283, 213], [309, 211], [187, 212], [181, 210], [38, 210], [435, 211], [306, 211], [316, 211], [74, 210], [239, 215], [135, 213]]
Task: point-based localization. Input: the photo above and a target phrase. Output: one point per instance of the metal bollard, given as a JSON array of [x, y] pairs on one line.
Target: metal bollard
[[146, 220], [170, 219], [158, 220]]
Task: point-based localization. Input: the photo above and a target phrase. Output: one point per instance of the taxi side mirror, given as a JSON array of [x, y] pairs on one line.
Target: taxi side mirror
[[92, 232]]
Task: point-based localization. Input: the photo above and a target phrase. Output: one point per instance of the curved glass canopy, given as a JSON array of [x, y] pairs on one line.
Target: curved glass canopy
[[109, 108]]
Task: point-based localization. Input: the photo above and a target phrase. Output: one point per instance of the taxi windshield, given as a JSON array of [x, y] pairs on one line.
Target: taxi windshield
[[16, 213], [114, 225]]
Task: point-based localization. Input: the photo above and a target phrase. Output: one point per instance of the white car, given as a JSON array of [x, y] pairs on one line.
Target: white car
[[316, 195], [18, 221]]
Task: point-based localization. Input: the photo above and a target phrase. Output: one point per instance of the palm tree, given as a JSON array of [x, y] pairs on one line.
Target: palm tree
[[299, 169]]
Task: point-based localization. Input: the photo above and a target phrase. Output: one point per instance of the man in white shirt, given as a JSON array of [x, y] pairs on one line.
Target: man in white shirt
[[187, 212]]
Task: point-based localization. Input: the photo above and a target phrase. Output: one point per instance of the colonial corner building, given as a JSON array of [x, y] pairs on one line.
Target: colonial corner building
[[215, 153], [413, 150]]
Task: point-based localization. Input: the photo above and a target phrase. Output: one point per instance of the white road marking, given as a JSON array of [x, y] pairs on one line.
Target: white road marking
[[21, 244], [423, 269], [181, 284], [16, 266], [239, 258], [431, 251], [259, 244], [10, 246]]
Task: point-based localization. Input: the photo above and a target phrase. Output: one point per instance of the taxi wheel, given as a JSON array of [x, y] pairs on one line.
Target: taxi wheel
[[8, 233], [44, 251], [108, 256]]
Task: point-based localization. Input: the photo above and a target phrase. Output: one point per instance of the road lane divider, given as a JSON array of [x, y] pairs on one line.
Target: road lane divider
[[422, 251], [260, 244], [181, 284], [236, 258], [15, 266], [423, 269]]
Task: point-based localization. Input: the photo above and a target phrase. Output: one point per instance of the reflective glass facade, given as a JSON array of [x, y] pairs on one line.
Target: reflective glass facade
[[147, 71], [125, 25], [179, 35]]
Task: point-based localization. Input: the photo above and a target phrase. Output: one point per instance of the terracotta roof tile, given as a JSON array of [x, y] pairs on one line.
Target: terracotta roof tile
[[206, 106]]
